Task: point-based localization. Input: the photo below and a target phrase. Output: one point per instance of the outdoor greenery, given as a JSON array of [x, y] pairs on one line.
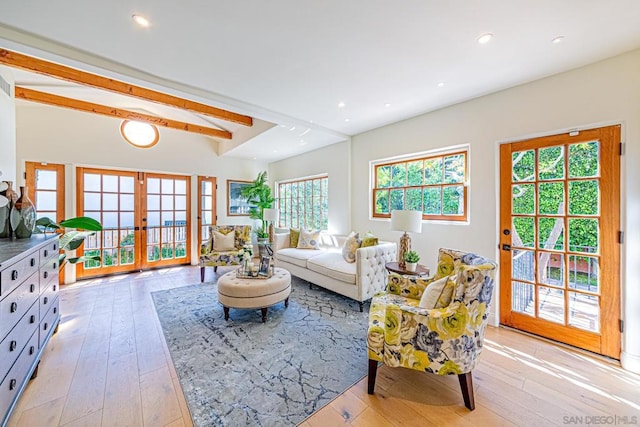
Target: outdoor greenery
[[547, 199], [305, 203], [434, 186]]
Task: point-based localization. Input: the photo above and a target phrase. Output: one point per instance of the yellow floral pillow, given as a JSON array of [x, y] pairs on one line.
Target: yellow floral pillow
[[439, 293], [350, 247], [294, 236], [369, 240]]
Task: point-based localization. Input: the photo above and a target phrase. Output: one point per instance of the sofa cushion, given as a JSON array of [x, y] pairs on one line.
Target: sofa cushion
[[350, 247], [294, 234], [223, 242], [296, 256], [309, 240], [369, 240], [333, 265]]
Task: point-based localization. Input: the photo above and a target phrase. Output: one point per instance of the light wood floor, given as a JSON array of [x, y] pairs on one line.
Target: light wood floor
[[109, 365]]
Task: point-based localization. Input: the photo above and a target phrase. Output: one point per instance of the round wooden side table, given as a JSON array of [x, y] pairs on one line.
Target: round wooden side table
[[394, 267]]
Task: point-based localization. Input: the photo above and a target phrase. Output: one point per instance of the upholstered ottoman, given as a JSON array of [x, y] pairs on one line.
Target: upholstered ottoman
[[235, 292]]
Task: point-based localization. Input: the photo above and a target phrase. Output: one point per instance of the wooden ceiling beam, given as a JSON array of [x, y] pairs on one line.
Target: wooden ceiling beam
[[40, 66], [89, 107]]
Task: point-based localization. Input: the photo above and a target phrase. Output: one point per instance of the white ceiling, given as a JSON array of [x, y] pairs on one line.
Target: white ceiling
[[291, 62]]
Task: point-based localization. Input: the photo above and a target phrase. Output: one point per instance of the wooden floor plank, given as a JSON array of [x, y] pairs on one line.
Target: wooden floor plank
[[109, 364]]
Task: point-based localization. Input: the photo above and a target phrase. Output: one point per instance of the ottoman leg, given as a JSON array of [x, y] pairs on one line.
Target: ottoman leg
[[226, 313], [286, 303], [264, 314]]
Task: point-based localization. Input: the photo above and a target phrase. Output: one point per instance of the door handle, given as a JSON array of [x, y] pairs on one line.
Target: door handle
[[506, 247]]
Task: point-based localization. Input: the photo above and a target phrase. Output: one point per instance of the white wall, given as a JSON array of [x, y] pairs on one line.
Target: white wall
[[73, 138], [607, 92], [332, 160], [7, 131]]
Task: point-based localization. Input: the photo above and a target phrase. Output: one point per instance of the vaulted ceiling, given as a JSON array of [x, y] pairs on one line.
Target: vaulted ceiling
[[319, 71]]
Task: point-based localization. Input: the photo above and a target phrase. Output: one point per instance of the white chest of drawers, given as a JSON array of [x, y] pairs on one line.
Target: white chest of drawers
[[29, 312]]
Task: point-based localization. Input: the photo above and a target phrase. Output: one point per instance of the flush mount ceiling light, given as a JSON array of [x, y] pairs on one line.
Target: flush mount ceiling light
[[141, 20], [557, 39], [485, 38], [139, 134]]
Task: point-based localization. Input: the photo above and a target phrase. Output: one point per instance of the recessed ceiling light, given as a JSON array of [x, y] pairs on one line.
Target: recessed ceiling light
[[341, 104], [141, 20], [387, 105], [557, 39], [485, 38], [441, 84], [347, 120]]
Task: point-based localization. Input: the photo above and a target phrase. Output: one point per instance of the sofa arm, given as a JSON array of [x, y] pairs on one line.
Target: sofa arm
[[370, 268], [281, 241]]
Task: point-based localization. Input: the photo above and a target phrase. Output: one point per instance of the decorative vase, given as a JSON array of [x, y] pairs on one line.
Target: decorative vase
[[23, 216], [9, 199], [411, 266]]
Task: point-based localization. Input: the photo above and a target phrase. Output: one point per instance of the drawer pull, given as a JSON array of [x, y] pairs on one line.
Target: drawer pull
[[46, 274], [55, 246], [12, 384], [32, 288], [55, 266], [55, 287], [14, 307], [32, 319], [14, 275], [33, 262], [46, 253], [45, 326], [46, 300], [13, 345], [32, 350], [55, 310]]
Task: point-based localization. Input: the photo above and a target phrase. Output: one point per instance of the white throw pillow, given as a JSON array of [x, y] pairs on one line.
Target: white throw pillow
[[223, 242], [309, 240], [350, 247], [438, 294]]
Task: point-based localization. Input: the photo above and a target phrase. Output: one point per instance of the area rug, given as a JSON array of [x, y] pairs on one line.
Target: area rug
[[245, 372]]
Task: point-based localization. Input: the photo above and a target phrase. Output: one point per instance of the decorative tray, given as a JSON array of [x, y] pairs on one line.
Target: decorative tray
[[242, 275]]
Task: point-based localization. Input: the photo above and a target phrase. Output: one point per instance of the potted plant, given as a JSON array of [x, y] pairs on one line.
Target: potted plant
[[258, 196], [411, 259], [71, 239]]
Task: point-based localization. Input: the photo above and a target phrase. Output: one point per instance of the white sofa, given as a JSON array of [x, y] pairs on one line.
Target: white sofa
[[327, 268]]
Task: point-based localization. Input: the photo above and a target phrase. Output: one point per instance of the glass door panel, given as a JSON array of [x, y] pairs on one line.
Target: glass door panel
[[45, 184], [559, 238], [206, 207]]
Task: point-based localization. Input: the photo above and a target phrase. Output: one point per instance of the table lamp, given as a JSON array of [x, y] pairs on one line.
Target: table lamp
[[271, 215], [407, 221]]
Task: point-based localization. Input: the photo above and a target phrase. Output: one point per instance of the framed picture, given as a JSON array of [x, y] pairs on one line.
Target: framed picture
[[236, 204], [265, 264]]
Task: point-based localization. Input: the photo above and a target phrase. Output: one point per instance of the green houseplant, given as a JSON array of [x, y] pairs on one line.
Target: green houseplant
[[259, 198], [411, 259], [76, 230]]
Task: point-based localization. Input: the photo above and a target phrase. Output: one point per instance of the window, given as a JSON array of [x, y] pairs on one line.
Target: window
[[434, 185], [304, 203], [45, 183]]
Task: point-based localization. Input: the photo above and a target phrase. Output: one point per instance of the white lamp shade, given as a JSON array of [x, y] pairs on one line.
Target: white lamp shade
[[403, 220], [270, 214]]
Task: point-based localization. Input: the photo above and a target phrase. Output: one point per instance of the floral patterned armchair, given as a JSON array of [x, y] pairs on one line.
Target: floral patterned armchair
[[210, 256], [443, 341]]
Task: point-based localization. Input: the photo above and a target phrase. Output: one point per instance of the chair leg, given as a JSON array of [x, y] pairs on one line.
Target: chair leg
[[373, 370], [466, 384], [361, 306], [201, 274], [215, 269]]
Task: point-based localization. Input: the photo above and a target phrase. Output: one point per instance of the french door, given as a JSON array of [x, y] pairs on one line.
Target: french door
[[206, 207], [559, 240], [144, 218]]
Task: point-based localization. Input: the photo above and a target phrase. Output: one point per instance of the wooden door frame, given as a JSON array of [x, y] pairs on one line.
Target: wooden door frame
[[30, 178], [610, 310], [214, 213]]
